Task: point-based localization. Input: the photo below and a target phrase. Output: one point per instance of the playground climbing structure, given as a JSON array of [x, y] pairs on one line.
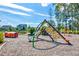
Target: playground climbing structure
[[51, 31]]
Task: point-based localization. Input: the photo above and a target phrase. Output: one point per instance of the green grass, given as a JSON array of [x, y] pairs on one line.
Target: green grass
[[1, 37]]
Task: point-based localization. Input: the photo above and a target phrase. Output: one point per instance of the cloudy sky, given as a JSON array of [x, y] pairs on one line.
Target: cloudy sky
[[24, 13]]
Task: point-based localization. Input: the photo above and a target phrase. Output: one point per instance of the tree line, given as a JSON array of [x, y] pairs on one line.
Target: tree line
[[67, 16], [21, 28]]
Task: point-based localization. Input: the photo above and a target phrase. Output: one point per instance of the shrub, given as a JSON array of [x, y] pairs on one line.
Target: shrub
[[1, 37], [32, 30]]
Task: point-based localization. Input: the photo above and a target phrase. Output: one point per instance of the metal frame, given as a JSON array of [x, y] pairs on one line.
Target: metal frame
[[38, 28]]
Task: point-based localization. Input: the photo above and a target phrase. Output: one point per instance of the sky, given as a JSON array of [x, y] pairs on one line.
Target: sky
[[25, 13]]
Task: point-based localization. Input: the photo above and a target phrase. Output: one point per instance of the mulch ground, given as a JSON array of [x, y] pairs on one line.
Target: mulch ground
[[21, 47]]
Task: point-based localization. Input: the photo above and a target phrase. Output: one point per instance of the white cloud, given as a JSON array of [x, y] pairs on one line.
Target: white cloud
[[44, 4], [41, 14], [17, 7], [21, 8], [14, 12]]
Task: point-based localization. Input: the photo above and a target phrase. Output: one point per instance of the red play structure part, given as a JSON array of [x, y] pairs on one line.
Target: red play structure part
[[11, 34]]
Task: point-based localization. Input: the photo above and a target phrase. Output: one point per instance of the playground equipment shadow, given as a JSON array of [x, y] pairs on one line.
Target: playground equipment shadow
[[54, 42]]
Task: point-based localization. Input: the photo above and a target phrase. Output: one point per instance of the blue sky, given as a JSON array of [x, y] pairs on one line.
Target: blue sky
[[24, 13]]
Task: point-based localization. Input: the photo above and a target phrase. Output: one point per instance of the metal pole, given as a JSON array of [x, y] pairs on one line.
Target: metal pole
[[33, 45]]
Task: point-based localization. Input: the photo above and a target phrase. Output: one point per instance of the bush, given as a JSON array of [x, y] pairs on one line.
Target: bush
[[32, 30], [1, 37]]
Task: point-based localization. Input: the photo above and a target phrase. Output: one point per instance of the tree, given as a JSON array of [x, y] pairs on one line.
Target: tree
[[7, 28], [32, 30], [22, 27], [51, 20], [67, 11]]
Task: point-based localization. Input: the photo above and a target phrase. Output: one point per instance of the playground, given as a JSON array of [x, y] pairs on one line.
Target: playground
[[21, 47], [45, 41], [54, 34]]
